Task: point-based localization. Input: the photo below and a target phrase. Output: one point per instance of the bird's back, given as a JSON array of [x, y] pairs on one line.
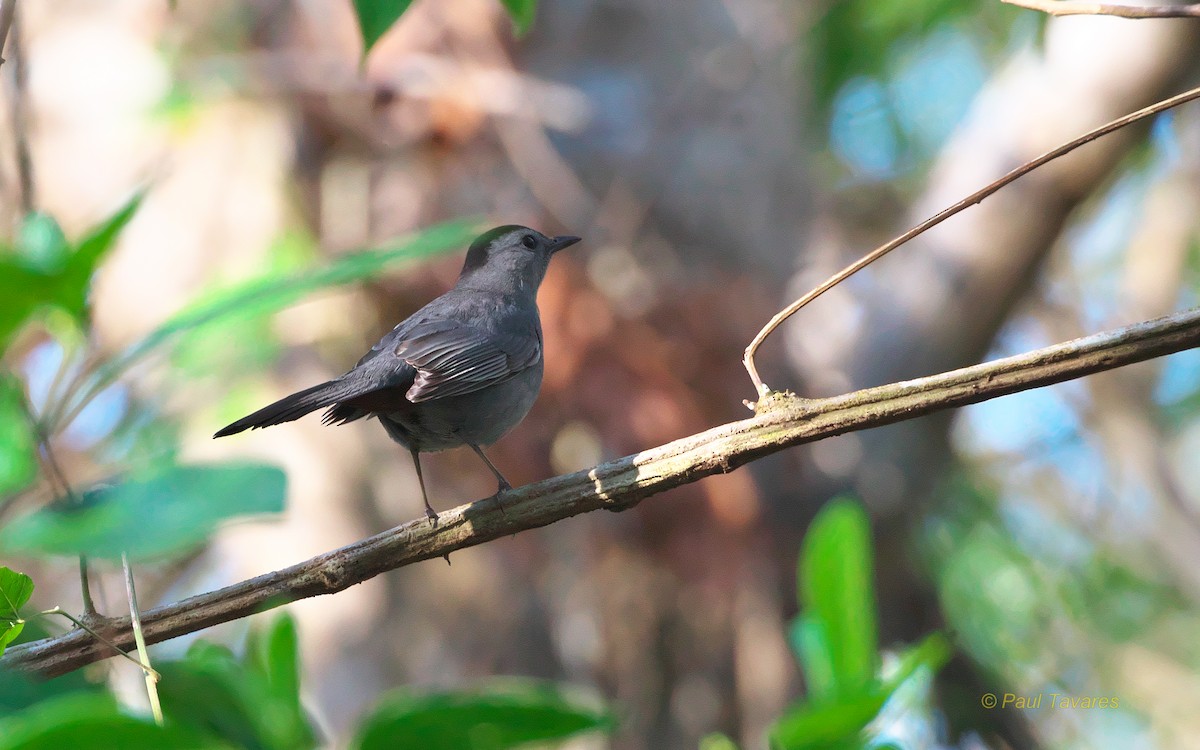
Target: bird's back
[[464, 368]]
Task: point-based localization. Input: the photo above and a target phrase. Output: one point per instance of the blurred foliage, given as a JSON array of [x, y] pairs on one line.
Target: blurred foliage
[[522, 13], [15, 590], [837, 631], [496, 718], [836, 639], [214, 698], [18, 459], [233, 342], [251, 702], [717, 741], [87, 720], [19, 691], [44, 270], [1014, 586], [263, 296], [169, 511], [375, 17], [892, 81], [855, 38]]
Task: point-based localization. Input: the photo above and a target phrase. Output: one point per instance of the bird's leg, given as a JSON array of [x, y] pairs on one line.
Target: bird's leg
[[504, 485], [429, 511]]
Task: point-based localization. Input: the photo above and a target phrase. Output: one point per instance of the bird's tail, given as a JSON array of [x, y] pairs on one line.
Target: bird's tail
[[292, 407]]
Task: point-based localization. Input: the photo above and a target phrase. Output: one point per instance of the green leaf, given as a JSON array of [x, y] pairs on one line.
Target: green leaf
[[375, 17], [273, 293], [836, 589], [84, 721], [811, 644], [19, 690], [15, 590], [276, 654], [931, 653], [18, 445], [828, 726], [100, 239], [522, 13], [841, 723], [213, 691], [493, 719], [208, 690], [170, 511], [75, 282], [44, 274], [22, 291]]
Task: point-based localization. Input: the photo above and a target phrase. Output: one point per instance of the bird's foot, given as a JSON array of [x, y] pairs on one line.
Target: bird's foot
[[431, 514], [504, 487]]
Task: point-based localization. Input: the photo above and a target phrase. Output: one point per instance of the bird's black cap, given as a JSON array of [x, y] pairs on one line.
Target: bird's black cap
[[477, 254]]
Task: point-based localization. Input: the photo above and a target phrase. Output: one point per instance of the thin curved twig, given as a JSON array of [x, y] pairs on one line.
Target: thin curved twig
[[972, 199], [782, 421], [89, 629]]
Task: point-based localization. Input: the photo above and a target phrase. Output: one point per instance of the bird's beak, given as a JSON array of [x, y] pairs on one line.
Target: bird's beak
[[563, 242]]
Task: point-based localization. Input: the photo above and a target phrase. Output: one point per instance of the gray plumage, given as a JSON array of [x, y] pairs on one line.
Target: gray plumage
[[462, 370]]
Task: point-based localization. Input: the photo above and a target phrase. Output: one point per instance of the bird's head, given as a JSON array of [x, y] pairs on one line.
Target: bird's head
[[510, 258]]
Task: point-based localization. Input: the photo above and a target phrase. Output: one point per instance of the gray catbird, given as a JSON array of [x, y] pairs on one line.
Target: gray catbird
[[463, 370]]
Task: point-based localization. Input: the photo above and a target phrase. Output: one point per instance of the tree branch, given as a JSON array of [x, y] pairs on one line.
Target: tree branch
[[783, 420], [1078, 8]]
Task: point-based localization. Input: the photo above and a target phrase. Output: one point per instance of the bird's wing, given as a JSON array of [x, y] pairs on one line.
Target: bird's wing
[[453, 358], [385, 344]]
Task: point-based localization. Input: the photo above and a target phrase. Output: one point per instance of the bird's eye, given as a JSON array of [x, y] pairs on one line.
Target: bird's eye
[[529, 241]]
